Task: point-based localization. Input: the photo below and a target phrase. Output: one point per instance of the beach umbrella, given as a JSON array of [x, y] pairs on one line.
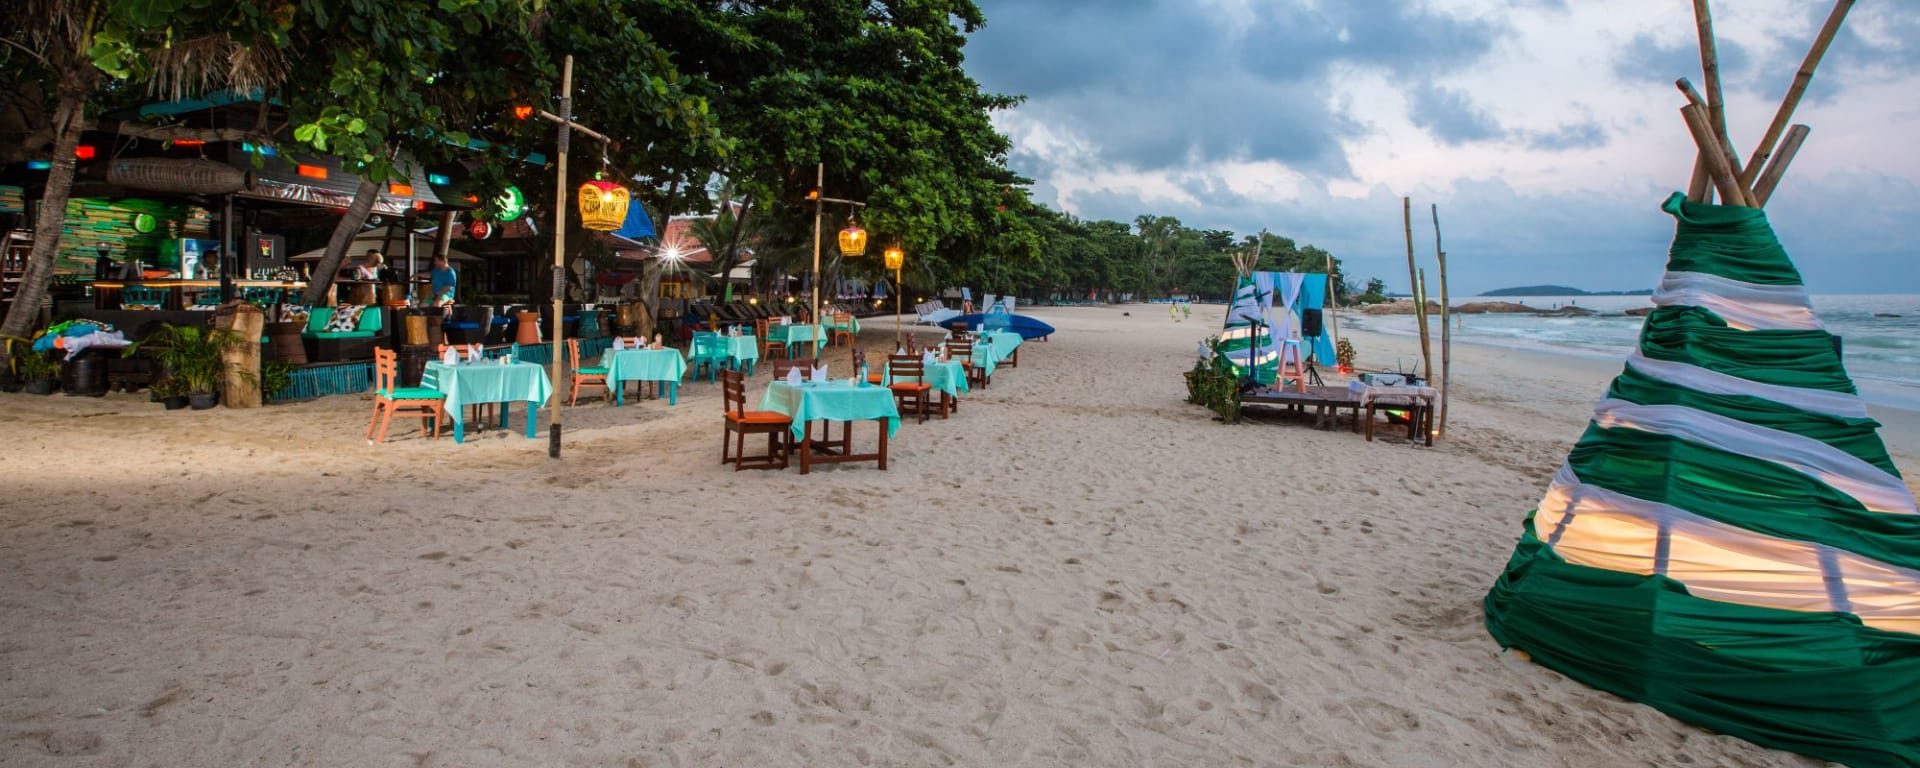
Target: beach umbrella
[[1729, 541]]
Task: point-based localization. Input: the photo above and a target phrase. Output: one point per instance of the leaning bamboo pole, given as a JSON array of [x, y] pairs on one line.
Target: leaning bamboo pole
[[1446, 329], [1764, 150], [1333, 304], [1723, 179], [1710, 73], [1414, 285], [1719, 140], [1770, 178], [1700, 188]]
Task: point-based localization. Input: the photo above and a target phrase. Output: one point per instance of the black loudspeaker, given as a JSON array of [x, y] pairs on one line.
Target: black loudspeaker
[[1310, 325]]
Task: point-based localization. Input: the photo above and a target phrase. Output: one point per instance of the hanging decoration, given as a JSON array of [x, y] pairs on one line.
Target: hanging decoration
[[603, 205]]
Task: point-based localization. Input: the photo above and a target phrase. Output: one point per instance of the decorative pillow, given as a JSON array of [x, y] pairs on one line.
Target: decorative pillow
[[294, 313], [346, 319]]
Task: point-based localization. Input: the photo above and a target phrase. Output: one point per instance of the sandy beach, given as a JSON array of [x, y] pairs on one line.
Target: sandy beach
[[1078, 569]]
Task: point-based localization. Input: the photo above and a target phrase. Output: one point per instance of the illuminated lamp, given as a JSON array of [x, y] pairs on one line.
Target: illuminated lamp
[[189, 143], [895, 258], [438, 180], [511, 204], [853, 240], [603, 205], [311, 171], [522, 112], [479, 230], [84, 152], [401, 190]]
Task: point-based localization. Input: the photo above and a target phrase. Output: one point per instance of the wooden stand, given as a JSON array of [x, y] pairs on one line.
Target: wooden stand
[[240, 382], [832, 451]]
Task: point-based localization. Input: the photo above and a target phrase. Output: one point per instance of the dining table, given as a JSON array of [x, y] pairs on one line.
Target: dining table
[[661, 366], [948, 378], [488, 381], [845, 401], [795, 335], [742, 350]]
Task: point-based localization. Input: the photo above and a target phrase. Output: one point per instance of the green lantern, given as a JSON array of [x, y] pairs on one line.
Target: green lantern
[[145, 223], [512, 204]]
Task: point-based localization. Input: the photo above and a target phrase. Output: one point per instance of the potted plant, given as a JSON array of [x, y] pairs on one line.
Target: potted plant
[[171, 393], [36, 370], [275, 377], [191, 355]]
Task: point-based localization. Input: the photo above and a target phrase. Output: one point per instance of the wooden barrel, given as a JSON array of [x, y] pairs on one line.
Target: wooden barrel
[[392, 294], [529, 329], [416, 330], [436, 329], [364, 294], [287, 347]]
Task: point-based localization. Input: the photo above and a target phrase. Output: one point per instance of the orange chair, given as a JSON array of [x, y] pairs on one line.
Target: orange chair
[[962, 350], [910, 387], [843, 328], [778, 427], [429, 403], [595, 376]]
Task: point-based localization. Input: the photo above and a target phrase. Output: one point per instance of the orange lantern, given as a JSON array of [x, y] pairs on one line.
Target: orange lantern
[[603, 205], [853, 240], [895, 258]]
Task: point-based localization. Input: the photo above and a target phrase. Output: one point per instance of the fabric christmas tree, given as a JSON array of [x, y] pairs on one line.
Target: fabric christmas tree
[[1247, 338], [1729, 541]]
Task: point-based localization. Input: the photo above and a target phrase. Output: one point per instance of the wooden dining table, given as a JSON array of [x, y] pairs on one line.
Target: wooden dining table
[[843, 401]]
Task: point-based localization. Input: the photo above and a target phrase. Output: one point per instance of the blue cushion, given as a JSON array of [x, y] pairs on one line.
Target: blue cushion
[[463, 326], [593, 371], [345, 335]]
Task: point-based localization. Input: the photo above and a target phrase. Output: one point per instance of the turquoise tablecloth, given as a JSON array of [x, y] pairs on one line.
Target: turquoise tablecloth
[[948, 377], [991, 348], [663, 365], [744, 351], [852, 324], [792, 335], [832, 401], [488, 382]]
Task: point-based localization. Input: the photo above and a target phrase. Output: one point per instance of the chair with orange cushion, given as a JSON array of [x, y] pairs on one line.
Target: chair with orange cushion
[[430, 404], [910, 387], [594, 376], [876, 378], [742, 422], [962, 352]]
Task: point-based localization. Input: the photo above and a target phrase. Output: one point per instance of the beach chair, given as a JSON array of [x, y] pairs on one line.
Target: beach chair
[[430, 404], [594, 376], [707, 350], [741, 422]]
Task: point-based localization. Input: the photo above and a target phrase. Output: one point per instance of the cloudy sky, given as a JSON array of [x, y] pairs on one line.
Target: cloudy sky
[[1547, 131]]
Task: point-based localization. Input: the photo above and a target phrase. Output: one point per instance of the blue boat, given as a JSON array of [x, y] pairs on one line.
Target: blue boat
[[1029, 328]]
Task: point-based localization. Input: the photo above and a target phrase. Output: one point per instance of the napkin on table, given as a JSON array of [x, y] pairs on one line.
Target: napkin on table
[[793, 376], [618, 344], [451, 356], [820, 375], [476, 353]]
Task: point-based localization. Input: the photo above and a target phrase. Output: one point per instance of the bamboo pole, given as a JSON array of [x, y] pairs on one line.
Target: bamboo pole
[[1446, 329], [1414, 286], [1764, 150], [1426, 346], [1719, 139], [1700, 188], [1770, 178], [1333, 304], [1723, 179], [1710, 73]]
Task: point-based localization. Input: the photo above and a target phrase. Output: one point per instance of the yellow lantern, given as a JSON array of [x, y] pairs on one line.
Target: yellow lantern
[[895, 258], [603, 205], [853, 240]]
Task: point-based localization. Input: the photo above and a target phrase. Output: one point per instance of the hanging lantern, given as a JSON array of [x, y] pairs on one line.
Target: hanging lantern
[[895, 258], [853, 240], [603, 205]]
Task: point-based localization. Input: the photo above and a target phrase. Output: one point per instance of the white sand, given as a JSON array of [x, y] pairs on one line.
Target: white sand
[[1079, 569]]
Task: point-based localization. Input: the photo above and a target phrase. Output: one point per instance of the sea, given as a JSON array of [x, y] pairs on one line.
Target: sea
[[1880, 334]]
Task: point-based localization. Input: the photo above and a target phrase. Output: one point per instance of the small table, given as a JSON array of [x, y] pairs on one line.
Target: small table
[[661, 365], [1418, 401], [1005, 346], [743, 350], [489, 382], [833, 401], [948, 378], [793, 335]]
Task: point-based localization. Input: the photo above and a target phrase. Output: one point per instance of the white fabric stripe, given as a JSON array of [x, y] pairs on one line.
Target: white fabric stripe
[[1699, 379], [1598, 528], [1746, 306], [1870, 485]]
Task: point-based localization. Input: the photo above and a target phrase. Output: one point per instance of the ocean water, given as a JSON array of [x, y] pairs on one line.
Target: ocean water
[[1881, 353]]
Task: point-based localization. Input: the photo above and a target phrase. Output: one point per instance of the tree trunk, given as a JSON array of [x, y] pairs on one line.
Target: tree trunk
[[356, 216], [649, 297], [68, 121]]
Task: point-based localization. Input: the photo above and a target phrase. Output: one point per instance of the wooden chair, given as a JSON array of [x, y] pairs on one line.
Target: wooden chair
[[740, 422], [781, 366], [910, 387], [594, 376], [875, 378], [478, 413], [387, 398], [769, 349], [962, 350], [843, 328]]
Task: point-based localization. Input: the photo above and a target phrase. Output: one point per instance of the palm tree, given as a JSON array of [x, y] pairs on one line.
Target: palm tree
[[731, 235]]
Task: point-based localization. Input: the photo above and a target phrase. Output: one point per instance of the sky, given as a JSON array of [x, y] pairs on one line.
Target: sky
[[1547, 132]]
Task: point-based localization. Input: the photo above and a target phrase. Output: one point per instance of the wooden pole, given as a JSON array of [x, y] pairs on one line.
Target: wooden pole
[[1426, 344], [1730, 191], [1700, 188], [1333, 305], [1413, 280], [1719, 139], [1710, 72], [1764, 150], [1446, 329], [559, 260], [1763, 189]]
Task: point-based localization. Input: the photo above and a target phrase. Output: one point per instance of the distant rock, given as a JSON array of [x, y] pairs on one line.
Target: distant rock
[[1566, 311], [1402, 307], [1640, 311], [1884, 314], [1493, 307]]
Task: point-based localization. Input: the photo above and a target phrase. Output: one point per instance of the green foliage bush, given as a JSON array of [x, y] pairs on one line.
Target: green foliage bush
[[1214, 384]]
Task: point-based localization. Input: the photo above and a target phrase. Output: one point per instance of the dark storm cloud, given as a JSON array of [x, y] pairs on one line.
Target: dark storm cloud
[[1451, 116], [1160, 84]]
